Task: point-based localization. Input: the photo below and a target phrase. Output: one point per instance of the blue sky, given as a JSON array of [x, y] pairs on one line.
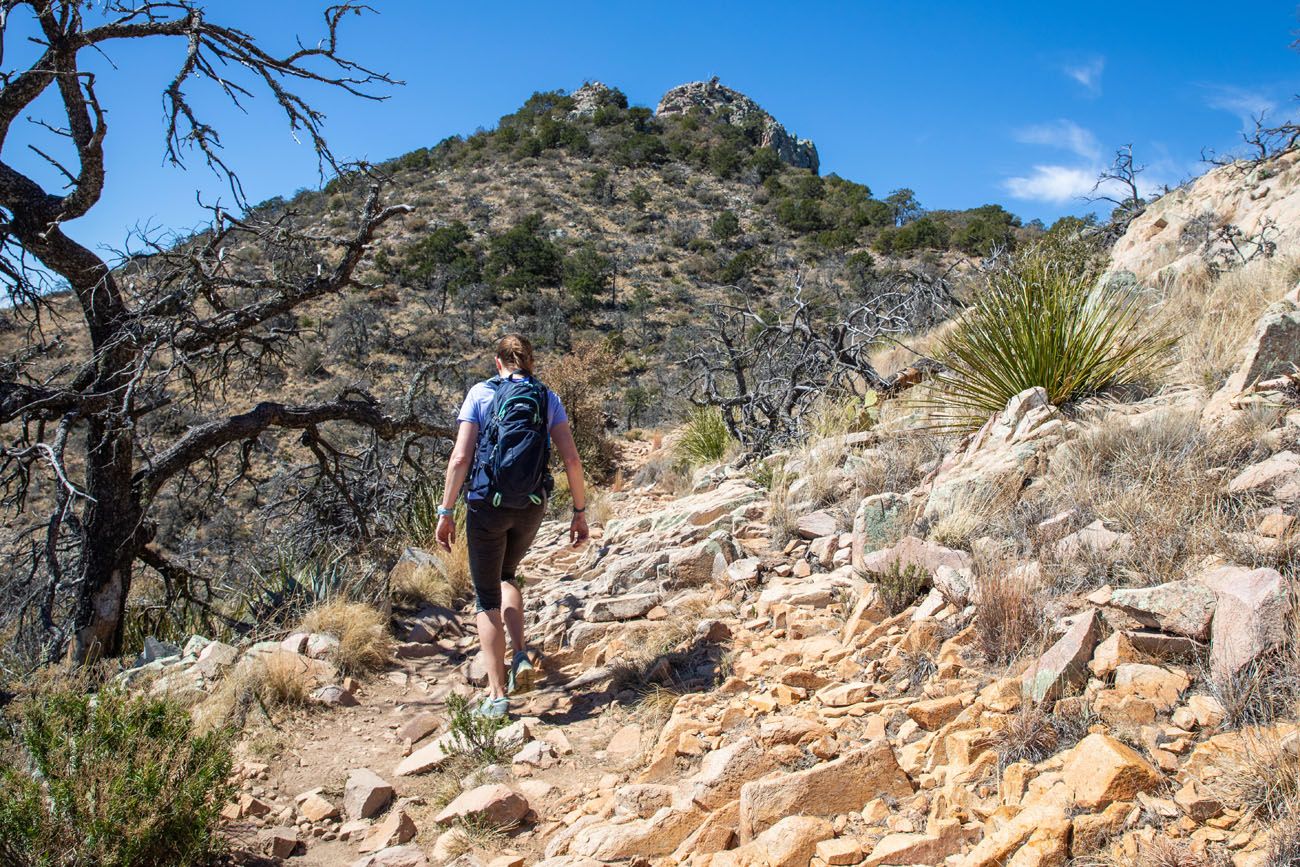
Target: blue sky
[[967, 103]]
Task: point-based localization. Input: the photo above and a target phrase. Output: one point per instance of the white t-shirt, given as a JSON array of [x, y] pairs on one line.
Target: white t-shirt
[[479, 399]]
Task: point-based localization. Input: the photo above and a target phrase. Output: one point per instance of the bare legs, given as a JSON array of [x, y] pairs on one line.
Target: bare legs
[[492, 636]]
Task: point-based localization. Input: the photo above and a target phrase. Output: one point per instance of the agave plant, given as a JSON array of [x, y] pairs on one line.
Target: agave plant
[[1048, 319]]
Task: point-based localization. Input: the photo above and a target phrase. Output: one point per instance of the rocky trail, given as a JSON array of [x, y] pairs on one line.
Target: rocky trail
[[717, 694]]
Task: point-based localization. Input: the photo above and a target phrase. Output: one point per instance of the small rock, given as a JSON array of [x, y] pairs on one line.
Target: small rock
[[396, 829], [1065, 662], [334, 695], [816, 524], [365, 795]]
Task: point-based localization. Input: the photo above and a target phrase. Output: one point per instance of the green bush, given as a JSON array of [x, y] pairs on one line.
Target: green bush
[[706, 439], [1046, 319], [109, 781], [899, 588], [725, 226]]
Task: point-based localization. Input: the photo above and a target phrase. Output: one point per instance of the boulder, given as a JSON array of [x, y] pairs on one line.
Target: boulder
[[1267, 475], [427, 758], [493, 803], [1274, 350], [658, 835], [791, 842], [1112, 653], [814, 525], [1046, 824], [1100, 770], [419, 727], [842, 785], [365, 795], [933, 847], [724, 771], [1065, 664], [1180, 607], [1250, 618], [996, 460], [932, 714]]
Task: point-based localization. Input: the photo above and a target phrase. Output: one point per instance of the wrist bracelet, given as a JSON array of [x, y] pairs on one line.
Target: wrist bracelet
[[578, 511], [444, 512]]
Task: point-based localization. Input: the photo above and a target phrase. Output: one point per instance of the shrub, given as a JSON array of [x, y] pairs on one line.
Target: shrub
[[639, 196], [109, 781], [1045, 320], [900, 587], [475, 737], [587, 275], [581, 378], [706, 439], [725, 226], [361, 630]]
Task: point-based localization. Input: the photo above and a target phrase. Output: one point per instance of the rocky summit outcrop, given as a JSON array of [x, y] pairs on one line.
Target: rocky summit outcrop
[[714, 100]]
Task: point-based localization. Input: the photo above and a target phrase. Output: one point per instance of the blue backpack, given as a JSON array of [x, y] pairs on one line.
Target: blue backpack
[[513, 454]]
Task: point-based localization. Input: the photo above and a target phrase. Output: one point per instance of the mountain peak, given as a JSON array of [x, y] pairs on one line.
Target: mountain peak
[[713, 99]]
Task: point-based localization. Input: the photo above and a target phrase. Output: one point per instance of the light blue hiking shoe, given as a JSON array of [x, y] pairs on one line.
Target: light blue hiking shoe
[[523, 676], [492, 708]]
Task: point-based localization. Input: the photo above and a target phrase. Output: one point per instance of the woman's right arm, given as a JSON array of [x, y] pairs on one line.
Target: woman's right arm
[[462, 455]]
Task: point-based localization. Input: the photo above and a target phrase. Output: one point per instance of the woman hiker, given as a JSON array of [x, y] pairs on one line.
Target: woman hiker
[[501, 457]]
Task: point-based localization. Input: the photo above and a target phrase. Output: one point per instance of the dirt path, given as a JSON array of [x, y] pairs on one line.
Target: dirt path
[[314, 751]]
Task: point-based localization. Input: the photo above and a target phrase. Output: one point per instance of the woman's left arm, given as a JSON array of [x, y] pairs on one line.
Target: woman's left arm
[[462, 455], [562, 436]]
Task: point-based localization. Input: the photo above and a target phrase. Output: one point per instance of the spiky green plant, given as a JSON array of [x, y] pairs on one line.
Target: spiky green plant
[[1046, 318], [706, 439]]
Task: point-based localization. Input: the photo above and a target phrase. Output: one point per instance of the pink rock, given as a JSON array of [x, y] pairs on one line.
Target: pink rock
[[493, 803], [365, 795], [396, 829], [1066, 662], [1250, 618], [395, 856]]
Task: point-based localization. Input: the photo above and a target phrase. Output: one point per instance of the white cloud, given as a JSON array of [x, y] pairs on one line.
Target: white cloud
[[1063, 134], [1088, 73], [1246, 104], [1052, 183]]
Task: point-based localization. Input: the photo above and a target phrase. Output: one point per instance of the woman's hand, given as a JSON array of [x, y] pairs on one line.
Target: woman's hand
[[578, 532], [446, 532]]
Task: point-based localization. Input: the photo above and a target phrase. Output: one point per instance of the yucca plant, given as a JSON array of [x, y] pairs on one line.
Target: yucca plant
[[1046, 319], [706, 439]]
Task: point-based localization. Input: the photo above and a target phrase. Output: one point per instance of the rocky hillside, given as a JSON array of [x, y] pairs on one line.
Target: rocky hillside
[[1062, 639]]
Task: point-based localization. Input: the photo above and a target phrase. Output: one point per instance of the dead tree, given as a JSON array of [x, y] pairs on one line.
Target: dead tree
[[1121, 175], [765, 370], [110, 349]]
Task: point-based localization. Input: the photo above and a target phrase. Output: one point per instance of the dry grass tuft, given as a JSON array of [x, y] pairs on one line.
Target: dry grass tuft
[[1215, 316], [1027, 736], [362, 631], [899, 462], [280, 679], [1159, 477], [1008, 619], [1263, 777]]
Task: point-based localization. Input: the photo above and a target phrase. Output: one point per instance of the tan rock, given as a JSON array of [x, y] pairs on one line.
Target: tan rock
[[427, 758], [315, 808], [419, 727], [282, 842], [1206, 710], [493, 803], [658, 835], [1160, 686], [723, 772], [932, 714], [911, 848], [844, 694], [396, 829], [395, 856], [1093, 830], [365, 795], [1101, 770], [839, 786], [839, 851], [1002, 839], [791, 842], [1112, 653], [716, 833]]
